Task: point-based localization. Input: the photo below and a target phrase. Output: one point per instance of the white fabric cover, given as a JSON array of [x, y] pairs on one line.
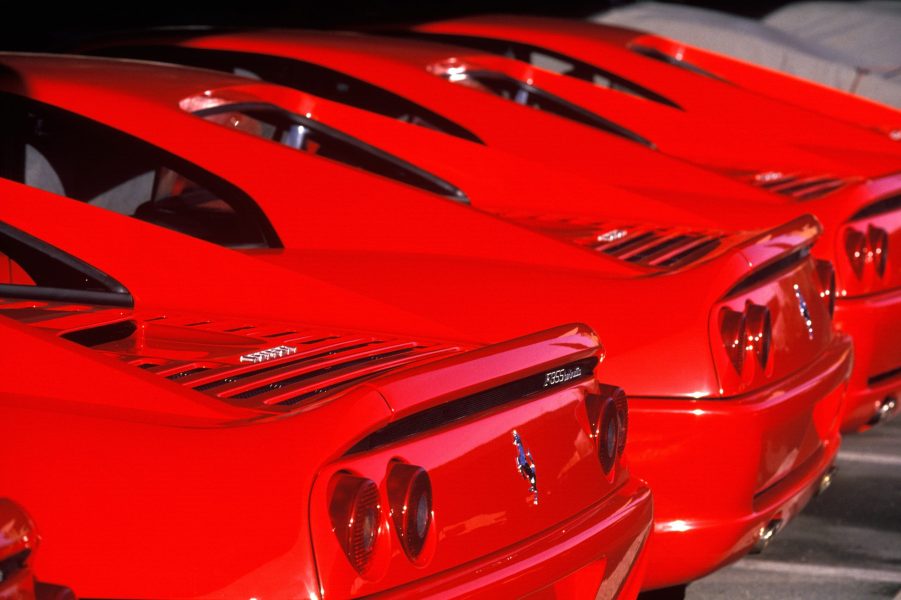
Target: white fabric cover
[[756, 42], [869, 31]]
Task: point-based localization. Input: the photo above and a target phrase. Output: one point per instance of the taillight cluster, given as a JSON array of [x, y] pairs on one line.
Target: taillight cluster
[[608, 417], [747, 335], [410, 498], [357, 513], [867, 250]]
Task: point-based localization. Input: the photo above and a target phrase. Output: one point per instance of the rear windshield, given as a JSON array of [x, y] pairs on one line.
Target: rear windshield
[[306, 135], [60, 152], [304, 76]]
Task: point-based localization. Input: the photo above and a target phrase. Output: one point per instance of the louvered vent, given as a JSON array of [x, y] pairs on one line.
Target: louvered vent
[[299, 365], [660, 247], [797, 186], [271, 368]]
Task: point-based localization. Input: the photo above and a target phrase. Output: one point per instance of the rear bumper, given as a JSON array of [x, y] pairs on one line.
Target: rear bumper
[[722, 469], [874, 323], [599, 552]]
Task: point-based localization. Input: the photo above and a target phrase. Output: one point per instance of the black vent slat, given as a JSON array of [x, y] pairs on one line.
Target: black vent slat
[[330, 388], [253, 372], [777, 182], [795, 186], [693, 252], [627, 243], [778, 266], [323, 371], [456, 410], [181, 374], [104, 334], [653, 248]]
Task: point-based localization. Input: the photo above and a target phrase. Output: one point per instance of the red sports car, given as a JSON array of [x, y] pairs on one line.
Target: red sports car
[[778, 106], [857, 199], [232, 451], [746, 366]]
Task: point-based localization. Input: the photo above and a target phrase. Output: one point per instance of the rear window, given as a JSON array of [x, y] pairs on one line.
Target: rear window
[[60, 152], [304, 76], [306, 135]]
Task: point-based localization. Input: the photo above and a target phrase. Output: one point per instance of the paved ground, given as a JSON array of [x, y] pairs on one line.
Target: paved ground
[[845, 545]]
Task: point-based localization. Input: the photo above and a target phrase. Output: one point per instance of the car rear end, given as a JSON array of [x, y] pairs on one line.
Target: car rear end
[[369, 464], [868, 303], [731, 467], [475, 487]]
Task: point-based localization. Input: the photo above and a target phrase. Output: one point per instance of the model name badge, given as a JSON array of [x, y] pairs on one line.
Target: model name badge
[[268, 354], [562, 376]]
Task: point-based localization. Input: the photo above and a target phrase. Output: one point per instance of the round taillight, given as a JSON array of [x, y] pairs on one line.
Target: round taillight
[[356, 518], [826, 276], [758, 332], [877, 248], [608, 441], [856, 249], [732, 330], [410, 498]]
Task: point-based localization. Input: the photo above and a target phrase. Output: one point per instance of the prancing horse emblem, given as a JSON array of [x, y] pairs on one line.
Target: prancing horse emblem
[[525, 464]]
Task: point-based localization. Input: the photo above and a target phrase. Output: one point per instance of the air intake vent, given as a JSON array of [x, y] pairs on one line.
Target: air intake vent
[[279, 368], [660, 247], [268, 367], [796, 186]]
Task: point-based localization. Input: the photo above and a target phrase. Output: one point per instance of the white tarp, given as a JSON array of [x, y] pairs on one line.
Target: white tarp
[[869, 31], [759, 43]]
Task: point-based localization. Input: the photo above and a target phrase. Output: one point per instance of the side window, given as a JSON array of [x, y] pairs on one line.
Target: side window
[[508, 88], [30, 268], [547, 59], [306, 77], [12, 273], [69, 155], [306, 135]]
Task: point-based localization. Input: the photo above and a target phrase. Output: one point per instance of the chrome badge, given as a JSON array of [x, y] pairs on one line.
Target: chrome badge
[[525, 464], [268, 354], [562, 376], [805, 312], [613, 235]]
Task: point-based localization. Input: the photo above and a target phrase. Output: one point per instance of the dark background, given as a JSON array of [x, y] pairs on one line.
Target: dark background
[[36, 26]]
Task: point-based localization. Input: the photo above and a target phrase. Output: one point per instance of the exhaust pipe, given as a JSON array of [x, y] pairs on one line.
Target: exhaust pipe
[[826, 480], [765, 535], [886, 409]]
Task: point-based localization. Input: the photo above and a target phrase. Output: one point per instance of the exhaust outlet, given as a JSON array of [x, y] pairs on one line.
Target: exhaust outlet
[[765, 535], [886, 409], [826, 480]]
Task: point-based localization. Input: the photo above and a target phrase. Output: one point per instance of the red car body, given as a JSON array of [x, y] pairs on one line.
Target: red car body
[[848, 177], [759, 424], [799, 92], [855, 194], [209, 450]]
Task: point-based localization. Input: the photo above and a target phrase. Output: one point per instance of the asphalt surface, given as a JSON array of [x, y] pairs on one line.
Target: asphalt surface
[[845, 545]]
